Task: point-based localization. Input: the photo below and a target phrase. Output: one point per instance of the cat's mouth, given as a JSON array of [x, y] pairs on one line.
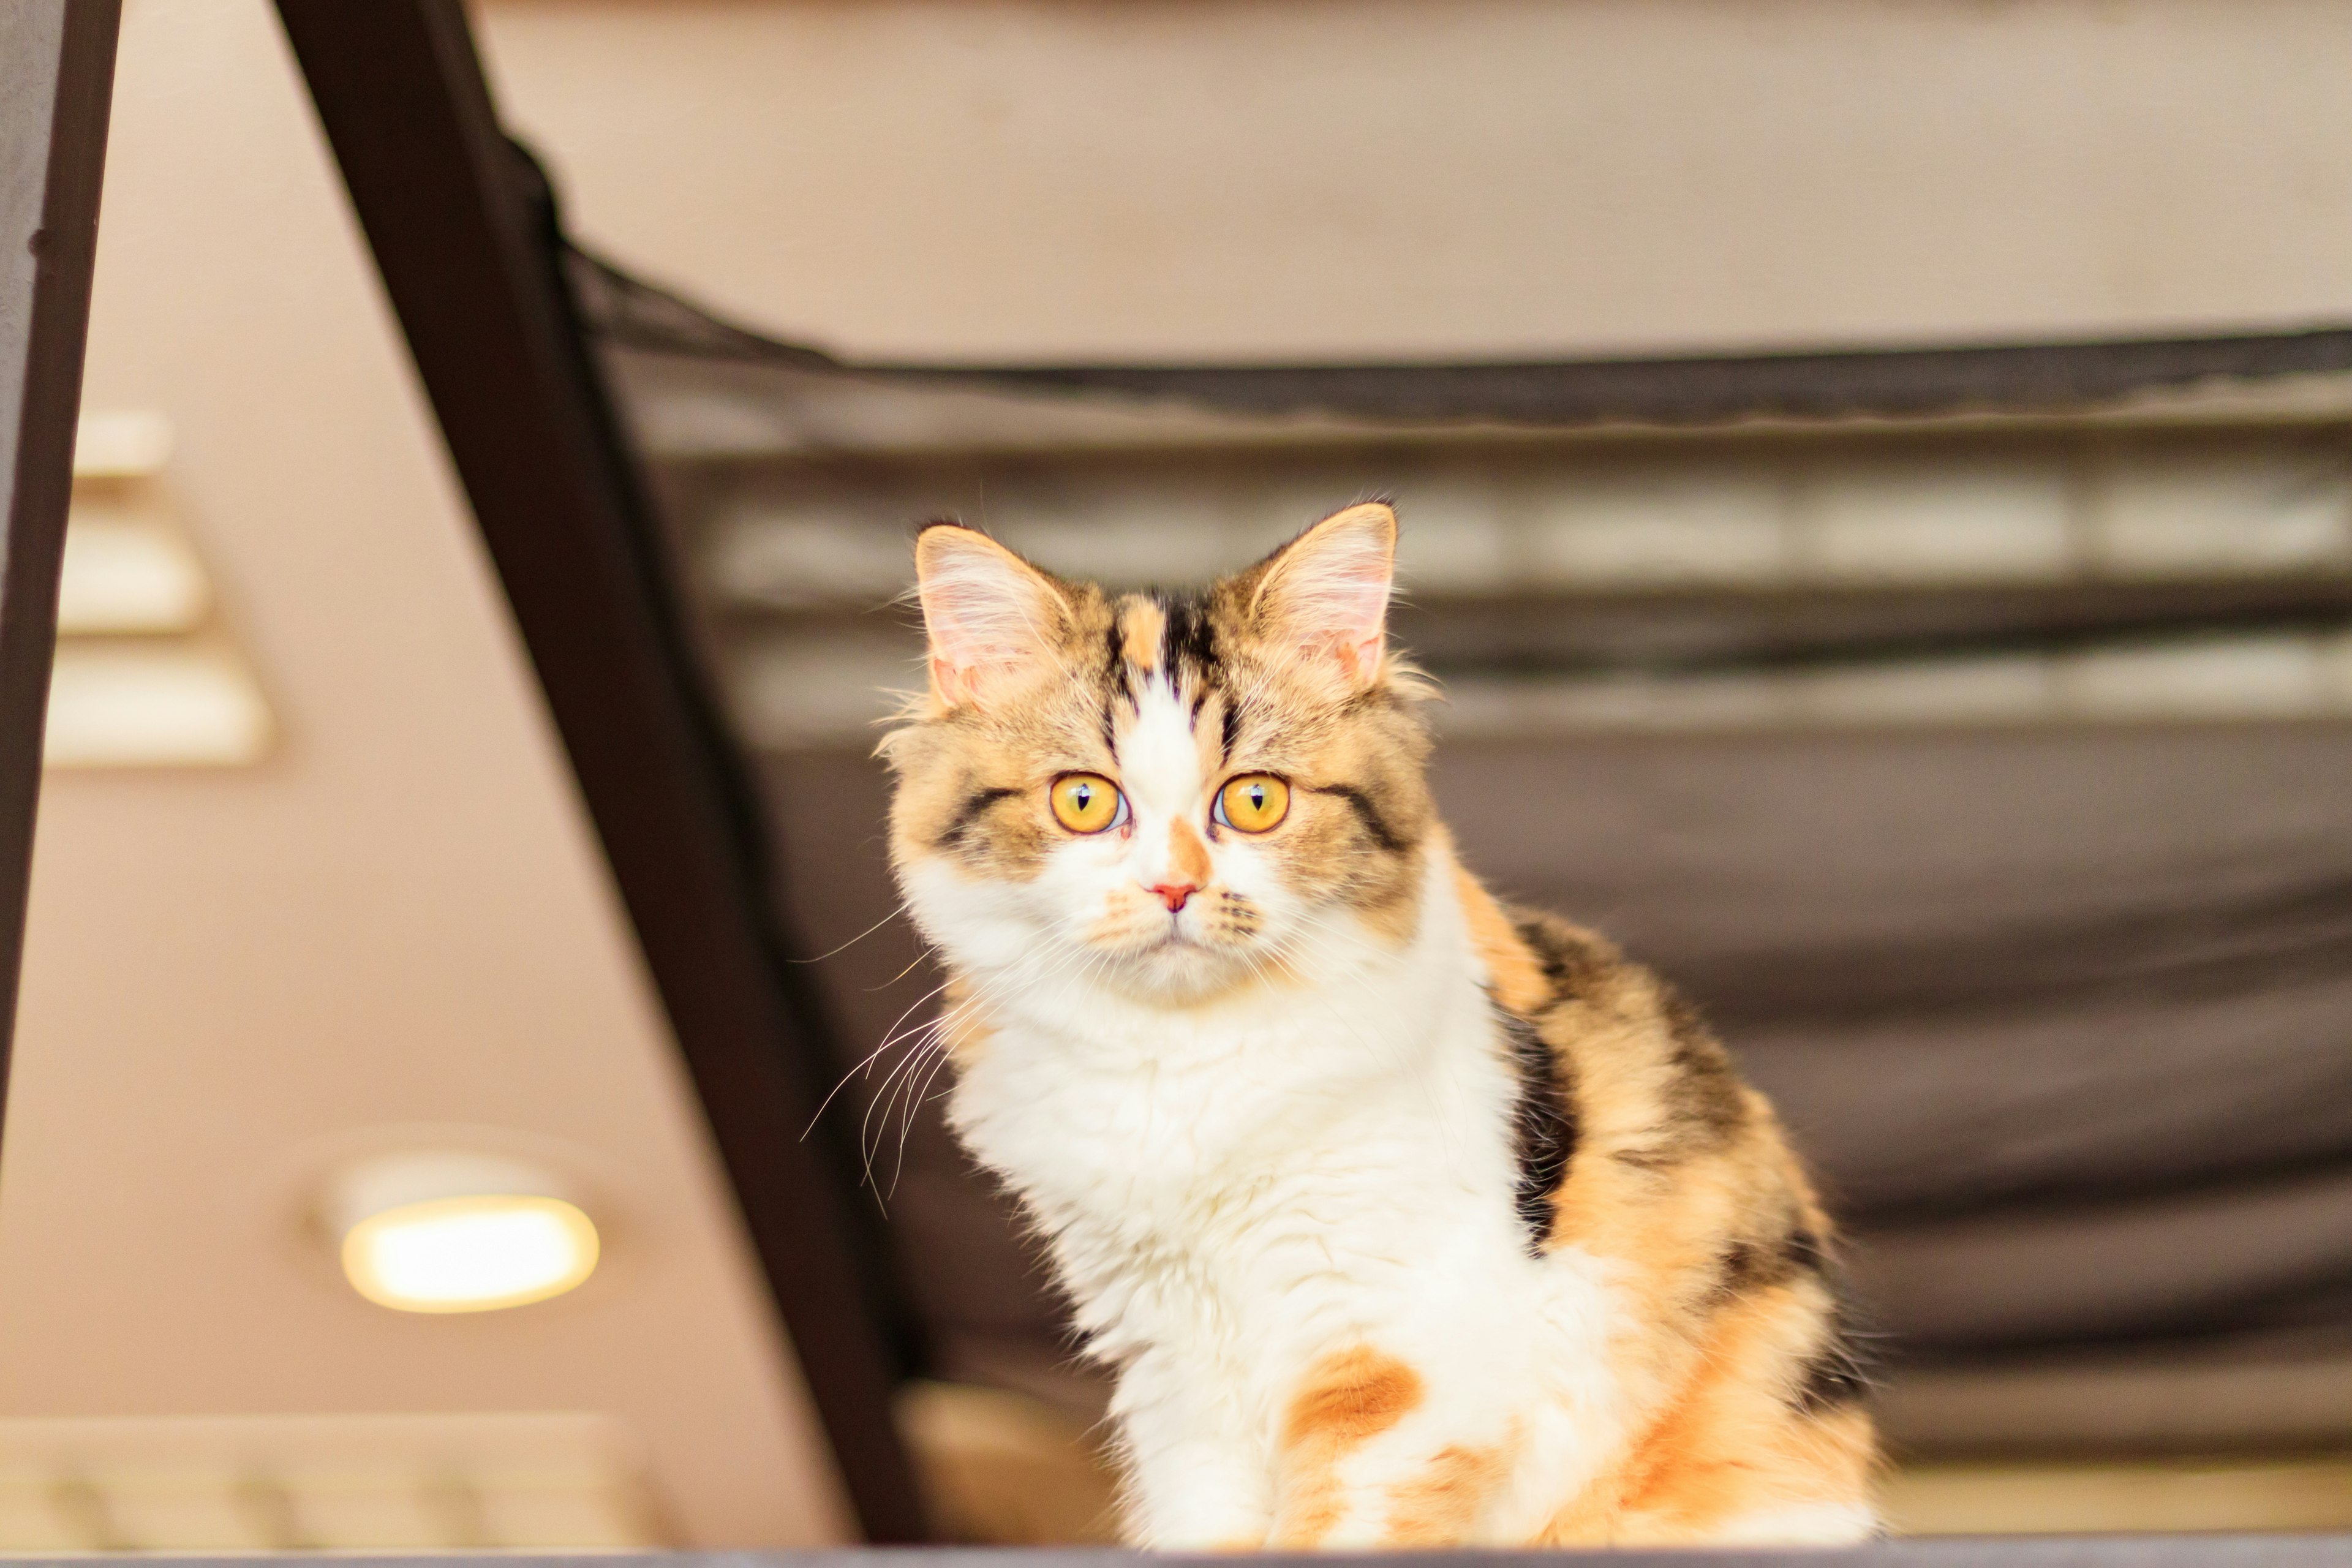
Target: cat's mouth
[[1172, 938]]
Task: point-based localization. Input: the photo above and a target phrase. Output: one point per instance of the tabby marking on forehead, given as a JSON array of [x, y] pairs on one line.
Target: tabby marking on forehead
[[1189, 639]]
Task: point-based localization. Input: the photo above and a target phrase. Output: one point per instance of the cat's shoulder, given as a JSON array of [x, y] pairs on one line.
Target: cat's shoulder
[[1637, 1056], [1538, 963]]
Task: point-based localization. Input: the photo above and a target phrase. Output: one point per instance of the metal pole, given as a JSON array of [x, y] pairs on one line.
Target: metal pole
[[57, 80], [464, 235]]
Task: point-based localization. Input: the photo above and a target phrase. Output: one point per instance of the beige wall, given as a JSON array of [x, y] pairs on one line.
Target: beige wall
[[1231, 178], [400, 920]]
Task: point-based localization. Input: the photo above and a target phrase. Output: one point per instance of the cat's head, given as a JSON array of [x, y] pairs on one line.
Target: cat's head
[[1176, 794]]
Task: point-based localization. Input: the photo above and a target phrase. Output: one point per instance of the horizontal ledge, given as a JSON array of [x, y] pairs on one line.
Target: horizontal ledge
[[1900, 381], [2186, 1551]]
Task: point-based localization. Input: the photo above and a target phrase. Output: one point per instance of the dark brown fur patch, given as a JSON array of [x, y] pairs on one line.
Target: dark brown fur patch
[[1189, 639], [1705, 1098], [1837, 1374], [1575, 965], [1368, 811], [952, 838], [1750, 1263], [1512, 975], [1702, 1104], [1543, 1126]]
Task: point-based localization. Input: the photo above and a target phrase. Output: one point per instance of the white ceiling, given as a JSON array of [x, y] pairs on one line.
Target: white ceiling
[[399, 920]]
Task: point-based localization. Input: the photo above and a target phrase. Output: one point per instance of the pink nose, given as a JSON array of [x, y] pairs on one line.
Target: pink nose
[[1174, 894]]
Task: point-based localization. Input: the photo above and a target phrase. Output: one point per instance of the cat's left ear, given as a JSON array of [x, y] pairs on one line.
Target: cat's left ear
[[1328, 590], [992, 619]]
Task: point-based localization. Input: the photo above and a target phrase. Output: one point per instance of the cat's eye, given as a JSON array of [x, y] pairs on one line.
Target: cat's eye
[[1087, 803], [1253, 802]]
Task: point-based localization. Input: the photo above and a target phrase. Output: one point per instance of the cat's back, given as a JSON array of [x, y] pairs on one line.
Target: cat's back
[[1640, 1144], [1620, 1075]]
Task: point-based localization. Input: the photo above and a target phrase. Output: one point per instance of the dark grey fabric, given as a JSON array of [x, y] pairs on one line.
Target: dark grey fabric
[[1975, 968], [2061, 1016]]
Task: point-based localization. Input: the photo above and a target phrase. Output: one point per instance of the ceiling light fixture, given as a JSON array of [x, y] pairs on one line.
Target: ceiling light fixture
[[445, 1231], [120, 444], [125, 573], [117, 704]]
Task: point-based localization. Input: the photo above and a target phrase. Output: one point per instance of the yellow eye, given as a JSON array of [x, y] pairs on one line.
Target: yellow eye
[[1085, 803], [1253, 802]]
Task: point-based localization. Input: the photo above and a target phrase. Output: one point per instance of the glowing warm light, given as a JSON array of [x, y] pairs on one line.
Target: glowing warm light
[[124, 573], [470, 1254], [118, 704], [120, 444]]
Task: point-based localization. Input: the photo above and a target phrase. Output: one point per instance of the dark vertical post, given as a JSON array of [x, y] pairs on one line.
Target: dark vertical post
[[57, 79], [464, 235]]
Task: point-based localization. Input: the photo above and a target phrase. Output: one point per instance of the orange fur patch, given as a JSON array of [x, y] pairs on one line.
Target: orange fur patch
[[1439, 1507], [1143, 624], [1349, 1398], [1511, 969], [1188, 857], [1732, 1445]]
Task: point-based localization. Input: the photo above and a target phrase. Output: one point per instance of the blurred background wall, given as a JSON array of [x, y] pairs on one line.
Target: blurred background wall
[[1478, 179]]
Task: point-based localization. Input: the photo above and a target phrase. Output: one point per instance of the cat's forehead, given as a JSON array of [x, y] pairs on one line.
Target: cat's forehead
[[1165, 698], [1175, 678], [1171, 637]]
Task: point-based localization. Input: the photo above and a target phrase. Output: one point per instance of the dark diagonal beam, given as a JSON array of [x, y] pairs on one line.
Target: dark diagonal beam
[[57, 80], [464, 236]]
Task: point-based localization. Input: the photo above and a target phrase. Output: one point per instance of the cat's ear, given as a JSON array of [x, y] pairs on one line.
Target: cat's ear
[[989, 615], [1326, 591]]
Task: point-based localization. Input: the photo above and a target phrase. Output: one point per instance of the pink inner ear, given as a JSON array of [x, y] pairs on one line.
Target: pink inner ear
[[1332, 591], [963, 655], [1362, 618], [955, 683], [956, 652], [984, 612]]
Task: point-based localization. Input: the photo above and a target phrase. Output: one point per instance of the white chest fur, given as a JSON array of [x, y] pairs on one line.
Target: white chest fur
[[1233, 1189], [1207, 1138]]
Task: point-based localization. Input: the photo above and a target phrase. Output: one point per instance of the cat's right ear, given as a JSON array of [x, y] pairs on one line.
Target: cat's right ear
[[989, 615], [1326, 592]]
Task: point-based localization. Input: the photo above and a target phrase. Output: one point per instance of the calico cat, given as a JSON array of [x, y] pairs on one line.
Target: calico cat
[[1405, 1218]]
